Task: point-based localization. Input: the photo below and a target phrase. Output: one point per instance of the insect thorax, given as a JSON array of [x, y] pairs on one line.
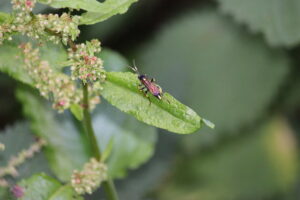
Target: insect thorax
[[142, 77]]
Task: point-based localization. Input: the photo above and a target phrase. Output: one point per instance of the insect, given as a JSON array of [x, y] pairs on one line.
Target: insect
[[148, 85]]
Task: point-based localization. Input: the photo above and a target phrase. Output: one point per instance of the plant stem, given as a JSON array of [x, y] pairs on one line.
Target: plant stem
[[108, 185], [110, 190], [88, 124]]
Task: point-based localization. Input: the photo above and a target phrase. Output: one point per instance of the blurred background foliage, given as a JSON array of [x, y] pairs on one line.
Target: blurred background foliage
[[235, 62]]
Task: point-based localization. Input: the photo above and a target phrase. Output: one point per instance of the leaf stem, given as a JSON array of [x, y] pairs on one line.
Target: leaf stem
[[108, 185]]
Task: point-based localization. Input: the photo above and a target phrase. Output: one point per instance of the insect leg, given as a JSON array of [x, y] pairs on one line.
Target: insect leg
[[145, 92], [163, 96], [168, 101], [143, 89]]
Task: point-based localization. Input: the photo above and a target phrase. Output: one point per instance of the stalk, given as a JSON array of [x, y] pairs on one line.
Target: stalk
[[88, 124], [108, 185]]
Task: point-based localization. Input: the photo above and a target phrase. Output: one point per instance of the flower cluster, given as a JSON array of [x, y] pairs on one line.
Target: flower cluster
[[52, 84], [59, 27], [22, 9], [25, 6], [50, 27], [85, 65], [90, 178], [20, 21], [10, 169], [17, 191]]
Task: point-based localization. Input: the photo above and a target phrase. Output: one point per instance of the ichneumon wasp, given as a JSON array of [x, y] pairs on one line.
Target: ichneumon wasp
[[148, 85]]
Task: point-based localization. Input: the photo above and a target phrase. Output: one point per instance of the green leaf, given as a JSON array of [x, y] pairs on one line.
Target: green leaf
[[64, 141], [261, 164], [107, 151], [12, 64], [106, 10], [133, 141], [89, 5], [277, 20], [4, 17], [221, 71], [121, 90], [41, 187], [65, 192], [96, 11], [77, 111], [4, 193]]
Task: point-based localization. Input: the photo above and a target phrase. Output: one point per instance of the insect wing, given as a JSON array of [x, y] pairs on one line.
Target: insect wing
[[154, 89]]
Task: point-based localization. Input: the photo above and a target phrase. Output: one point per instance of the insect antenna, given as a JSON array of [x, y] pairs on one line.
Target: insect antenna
[[134, 68]]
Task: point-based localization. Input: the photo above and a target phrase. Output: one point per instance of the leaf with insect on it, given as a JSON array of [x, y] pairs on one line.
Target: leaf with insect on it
[[121, 90]]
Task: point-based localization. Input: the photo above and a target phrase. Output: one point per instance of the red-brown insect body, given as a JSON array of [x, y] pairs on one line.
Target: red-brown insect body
[[152, 87]]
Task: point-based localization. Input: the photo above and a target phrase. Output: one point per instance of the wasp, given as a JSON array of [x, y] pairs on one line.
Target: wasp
[[148, 85]]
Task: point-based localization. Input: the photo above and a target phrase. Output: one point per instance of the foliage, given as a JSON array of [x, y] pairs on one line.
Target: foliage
[[68, 141], [277, 20], [41, 186], [131, 146], [96, 12], [63, 138], [11, 62], [234, 62], [16, 138]]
